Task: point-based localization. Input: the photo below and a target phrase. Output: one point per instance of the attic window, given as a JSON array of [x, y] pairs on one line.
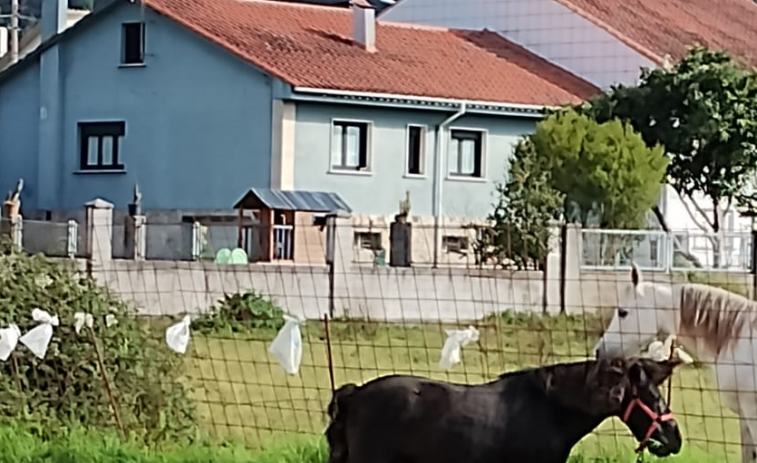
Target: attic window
[[133, 43]]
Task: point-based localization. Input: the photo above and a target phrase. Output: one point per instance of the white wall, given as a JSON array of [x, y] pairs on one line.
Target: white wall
[[735, 228], [542, 26]]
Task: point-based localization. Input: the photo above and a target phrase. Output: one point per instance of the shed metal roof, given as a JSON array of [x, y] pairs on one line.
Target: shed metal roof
[[292, 200]]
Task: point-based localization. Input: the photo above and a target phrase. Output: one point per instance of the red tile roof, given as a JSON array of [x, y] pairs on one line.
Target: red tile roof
[[311, 46], [659, 27]]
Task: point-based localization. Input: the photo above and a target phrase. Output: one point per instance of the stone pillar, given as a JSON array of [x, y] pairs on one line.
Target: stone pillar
[[574, 300], [98, 232], [135, 243], [338, 257], [12, 224]]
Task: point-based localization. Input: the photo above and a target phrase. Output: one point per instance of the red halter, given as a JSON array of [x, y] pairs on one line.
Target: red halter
[[656, 418]]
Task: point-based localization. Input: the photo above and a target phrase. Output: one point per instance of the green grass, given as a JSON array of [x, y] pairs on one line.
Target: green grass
[[82, 446], [244, 396]]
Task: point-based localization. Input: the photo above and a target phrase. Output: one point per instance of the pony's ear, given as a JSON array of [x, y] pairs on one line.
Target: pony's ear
[[635, 274], [658, 372]]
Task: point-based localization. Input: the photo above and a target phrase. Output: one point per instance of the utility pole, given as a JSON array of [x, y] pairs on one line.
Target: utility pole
[[14, 31]]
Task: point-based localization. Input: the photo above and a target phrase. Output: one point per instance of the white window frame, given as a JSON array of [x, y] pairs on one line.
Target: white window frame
[[423, 153], [368, 170], [484, 154]]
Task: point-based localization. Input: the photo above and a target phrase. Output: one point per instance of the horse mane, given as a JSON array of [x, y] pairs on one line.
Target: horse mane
[[715, 315], [585, 385]]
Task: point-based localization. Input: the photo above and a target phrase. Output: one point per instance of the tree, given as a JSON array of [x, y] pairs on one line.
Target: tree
[[525, 208], [574, 167], [703, 111], [606, 172]]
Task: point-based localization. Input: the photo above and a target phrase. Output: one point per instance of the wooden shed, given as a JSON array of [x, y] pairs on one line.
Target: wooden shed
[[290, 224]]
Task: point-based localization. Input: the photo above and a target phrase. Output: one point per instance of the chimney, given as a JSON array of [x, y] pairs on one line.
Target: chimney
[[54, 18], [364, 24], [3, 41]]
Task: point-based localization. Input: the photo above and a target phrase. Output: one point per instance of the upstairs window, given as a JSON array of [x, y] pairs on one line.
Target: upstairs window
[[349, 146], [466, 153], [133, 43], [416, 135], [100, 145]]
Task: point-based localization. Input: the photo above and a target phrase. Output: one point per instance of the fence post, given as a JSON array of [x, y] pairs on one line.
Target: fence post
[[73, 238], [13, 224], [135, 237], [196, 240], [669, 253], [17, 231], [99, 232], [753, 270], [338, 229]]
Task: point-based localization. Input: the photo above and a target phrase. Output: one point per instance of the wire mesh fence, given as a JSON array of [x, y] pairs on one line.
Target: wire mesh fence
[[380, 295], [395, 317]]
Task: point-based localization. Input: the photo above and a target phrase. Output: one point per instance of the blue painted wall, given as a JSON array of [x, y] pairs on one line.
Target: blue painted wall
[[380, 191], [195, 116], [19, 116]]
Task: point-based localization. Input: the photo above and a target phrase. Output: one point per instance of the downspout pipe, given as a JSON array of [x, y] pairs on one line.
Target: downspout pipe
[[440, 148]]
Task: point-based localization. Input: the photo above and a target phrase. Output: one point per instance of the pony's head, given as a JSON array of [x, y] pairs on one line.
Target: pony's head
[[644, 309], [618, 386]]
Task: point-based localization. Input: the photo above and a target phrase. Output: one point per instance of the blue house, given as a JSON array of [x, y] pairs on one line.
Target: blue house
[[197, 101]]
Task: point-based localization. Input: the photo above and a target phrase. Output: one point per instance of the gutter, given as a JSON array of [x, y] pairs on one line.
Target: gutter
[[440, 148], [422, 99]]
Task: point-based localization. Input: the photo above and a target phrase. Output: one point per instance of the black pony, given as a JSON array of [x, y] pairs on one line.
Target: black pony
[[528, 416]]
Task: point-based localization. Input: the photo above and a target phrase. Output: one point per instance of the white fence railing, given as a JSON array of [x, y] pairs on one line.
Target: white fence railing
[[660, 251]]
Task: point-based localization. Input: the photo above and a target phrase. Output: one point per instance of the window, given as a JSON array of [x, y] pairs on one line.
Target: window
[[99, 145], [465, 153], [455, 243], [349, 146], [368, 240], [133, 43], [416, 135]]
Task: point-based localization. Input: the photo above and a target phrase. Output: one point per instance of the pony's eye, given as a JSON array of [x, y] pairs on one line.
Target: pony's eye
[[622, 313]]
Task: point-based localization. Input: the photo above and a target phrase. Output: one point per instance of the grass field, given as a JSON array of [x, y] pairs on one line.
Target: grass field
[[245, 396]]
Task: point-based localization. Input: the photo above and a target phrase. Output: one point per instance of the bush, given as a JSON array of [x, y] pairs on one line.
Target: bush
[[66, 387], [241, 313]]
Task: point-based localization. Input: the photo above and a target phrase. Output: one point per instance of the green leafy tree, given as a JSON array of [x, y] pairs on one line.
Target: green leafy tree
[[526, 206], [703, 111], [574, 167], [605, 171]]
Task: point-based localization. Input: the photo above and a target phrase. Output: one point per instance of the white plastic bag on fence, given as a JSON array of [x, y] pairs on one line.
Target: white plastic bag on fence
[[8, 341], [110, 320], [659, 351], [287, 345], [177, 335], [456, 339], [38, 338], [81, 319]]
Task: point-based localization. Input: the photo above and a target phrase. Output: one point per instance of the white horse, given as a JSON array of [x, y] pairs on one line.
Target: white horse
[[716, 326]]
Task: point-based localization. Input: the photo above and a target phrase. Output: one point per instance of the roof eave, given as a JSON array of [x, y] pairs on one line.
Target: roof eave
[[318, 95]]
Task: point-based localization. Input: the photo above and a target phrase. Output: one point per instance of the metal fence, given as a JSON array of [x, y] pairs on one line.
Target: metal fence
[[660, 251], [363, 322]]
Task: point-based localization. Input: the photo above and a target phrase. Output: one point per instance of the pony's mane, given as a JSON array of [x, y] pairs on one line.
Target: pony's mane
[[715, 316], [583, 385]]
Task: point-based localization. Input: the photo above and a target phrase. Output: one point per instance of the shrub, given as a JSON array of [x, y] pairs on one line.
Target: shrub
[[66, 387], [241, 313]]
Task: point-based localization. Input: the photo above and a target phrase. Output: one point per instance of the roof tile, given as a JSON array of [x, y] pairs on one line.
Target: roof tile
[[311, 46], [656, 28]]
